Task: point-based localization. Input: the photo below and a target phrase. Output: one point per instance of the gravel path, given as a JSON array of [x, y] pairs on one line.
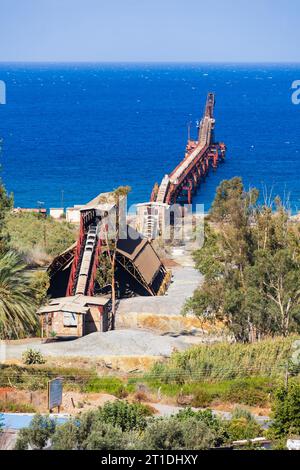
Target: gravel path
[[185, 280], [112, 343]]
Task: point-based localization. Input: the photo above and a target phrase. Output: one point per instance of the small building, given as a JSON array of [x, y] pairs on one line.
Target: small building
[[56, 213], [153, 219], [75, 316], [73, 214]]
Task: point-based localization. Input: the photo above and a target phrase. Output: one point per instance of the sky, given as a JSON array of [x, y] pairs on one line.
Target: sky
[[150, 30]]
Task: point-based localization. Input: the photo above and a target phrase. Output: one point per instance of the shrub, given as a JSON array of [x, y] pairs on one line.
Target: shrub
[[175, 434], [201, 399], [242, 428], [27, 231], [286, 411], [40, 283], [37, 377], [7, 406], [127, 416], [104, 436], [31, 356], [111, 385], [66, 436], [215, 424], [119, 414], [103, 428], [239, 412], [37, 434], [249, 392]]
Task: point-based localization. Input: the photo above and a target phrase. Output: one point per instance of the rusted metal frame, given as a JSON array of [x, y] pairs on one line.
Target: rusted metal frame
[[134, 272], [85, 220], [60, 264], [193, 163], [94, 268]]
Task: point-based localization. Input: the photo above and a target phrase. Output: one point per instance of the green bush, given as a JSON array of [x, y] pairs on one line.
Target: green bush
[[202, 399], [36, 377], [31, 356], [37, 434], [249, 392], [65, 436], [127, 416], [216, 424], [286, 411], [175, 434], [252, 391], [39, 238], [241, 428], [8, 406], [122, 426], [111, 385], [105, 436]]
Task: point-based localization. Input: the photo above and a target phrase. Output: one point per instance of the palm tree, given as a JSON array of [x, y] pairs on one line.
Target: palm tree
[[17, 299]]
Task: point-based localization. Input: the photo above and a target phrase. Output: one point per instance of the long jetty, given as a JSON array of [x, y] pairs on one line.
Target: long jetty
[[201, 154]]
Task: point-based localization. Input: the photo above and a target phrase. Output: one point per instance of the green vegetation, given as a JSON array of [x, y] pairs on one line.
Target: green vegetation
[[6, 203], [17, 306], [38, 239], [12, 407], [36, 377], [286, 412], [203, 376], [126, 416], [111, 385], [171, 433], [31, 356], [252, 391], [104, 271], [224, 361], [40, 283], [123, 426], [37, 435], [251, 263]]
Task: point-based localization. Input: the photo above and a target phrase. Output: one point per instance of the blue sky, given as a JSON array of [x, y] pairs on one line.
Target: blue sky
[[150, 30]]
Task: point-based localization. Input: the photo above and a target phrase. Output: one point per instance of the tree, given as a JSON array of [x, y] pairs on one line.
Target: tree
[[114, 426], [105, 436], [65, 436], [251, 264], [17, 304], [127, 416], [40, 284], [37, 434], [6, 204], [286, 411], [112, 238], [175, 434]]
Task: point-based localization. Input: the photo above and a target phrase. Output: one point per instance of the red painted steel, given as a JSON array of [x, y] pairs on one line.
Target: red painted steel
[[186, 178]]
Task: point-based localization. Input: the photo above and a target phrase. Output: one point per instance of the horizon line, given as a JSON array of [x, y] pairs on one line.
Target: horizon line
[[184, 62]]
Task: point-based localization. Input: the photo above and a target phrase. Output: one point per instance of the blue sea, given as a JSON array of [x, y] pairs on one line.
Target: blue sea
[[71, 131]]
